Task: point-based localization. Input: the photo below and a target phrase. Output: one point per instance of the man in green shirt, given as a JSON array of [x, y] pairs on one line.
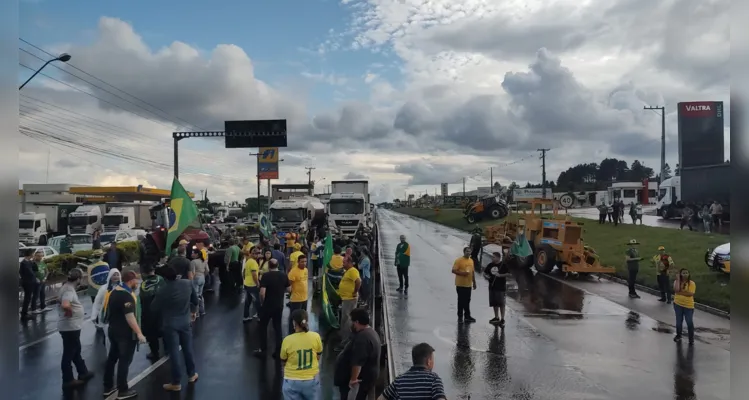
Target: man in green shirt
[[234, 266], [402, 261], [41, 275], [632, 257]]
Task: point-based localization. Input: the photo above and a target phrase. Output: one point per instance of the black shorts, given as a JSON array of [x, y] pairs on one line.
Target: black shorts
[[497, 298]]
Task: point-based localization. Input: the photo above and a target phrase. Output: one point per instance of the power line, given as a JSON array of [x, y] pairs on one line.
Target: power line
[[170, 117]]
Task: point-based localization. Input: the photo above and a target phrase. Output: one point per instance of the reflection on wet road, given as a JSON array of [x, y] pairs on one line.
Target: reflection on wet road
[[223, 355], [559, 343]]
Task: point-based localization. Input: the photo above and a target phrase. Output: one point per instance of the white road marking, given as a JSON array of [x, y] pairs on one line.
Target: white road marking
[[43, 338], [132, 382]]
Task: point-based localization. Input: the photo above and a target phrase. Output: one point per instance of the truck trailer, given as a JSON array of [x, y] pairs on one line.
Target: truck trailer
[[127, 216], [696, 187]]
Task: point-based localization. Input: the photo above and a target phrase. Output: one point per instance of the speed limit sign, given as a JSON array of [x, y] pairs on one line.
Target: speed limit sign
[[566, 200]]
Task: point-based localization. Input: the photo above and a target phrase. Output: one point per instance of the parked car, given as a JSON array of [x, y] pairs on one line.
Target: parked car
[[719, 259], [49, 252], [117, 237], [21, 245], [80, 242]]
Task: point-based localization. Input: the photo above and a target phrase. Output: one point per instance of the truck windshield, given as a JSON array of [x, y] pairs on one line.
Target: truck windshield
[[82, 221], [112, 220], [287, 215], [346, 206], [25, 224], [662, 193]]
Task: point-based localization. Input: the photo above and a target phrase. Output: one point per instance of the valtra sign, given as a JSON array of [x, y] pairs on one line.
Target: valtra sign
[[701, 109]]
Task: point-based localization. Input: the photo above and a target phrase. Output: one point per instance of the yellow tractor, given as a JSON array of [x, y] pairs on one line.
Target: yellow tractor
[[556, 240]]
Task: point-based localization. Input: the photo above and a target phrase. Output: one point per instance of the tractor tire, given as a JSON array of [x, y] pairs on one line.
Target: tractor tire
[[498, 212], [545, 259], [471, 219]]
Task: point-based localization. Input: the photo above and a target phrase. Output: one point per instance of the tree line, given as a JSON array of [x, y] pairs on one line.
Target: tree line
[[599, 176]]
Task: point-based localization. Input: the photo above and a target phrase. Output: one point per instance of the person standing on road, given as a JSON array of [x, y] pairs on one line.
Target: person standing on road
[[358, 365], [617, 212], [464, 282], [233, 266], [177, 303], [96, 239], [298, 277], [348, 290], [336, 261], [610, 211], [638, 213], [663, 264], [180, 264], [419, 382], [41, 274], [684, 289], [114, 279], [199, 270], [122, 314], [279, 256], [402, 262], [150, 319], [27, 271], [633, 212], [686, 217], [273, 288], [69, 324], [365, 270], [294, 256], [476, 245], [497, 273], [602, 214], [716, 211], [632, 258], [114, 256], [251, 280], [300, 352]]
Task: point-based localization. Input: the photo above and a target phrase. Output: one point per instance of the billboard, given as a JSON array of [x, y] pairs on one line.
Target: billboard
[[258, 133], [530, 194], [267, 163], [700, 133], [443, 188]]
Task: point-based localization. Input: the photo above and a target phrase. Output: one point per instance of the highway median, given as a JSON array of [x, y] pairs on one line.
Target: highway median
[[687, 249]]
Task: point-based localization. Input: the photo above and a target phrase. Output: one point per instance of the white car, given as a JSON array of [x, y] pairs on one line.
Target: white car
[[719, 258], [117, 237], [49, 252], [79, 242]]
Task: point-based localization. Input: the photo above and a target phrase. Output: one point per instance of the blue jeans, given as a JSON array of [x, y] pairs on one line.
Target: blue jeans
[[199, 283], [251, 301], [173, 338], [301, 390], [682, 314]]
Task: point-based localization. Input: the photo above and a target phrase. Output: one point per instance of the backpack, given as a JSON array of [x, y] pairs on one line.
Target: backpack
[[149, 287]]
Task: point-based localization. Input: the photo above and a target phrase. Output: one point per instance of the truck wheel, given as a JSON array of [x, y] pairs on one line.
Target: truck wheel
[[664, 213], [545, 258], [42, 240]]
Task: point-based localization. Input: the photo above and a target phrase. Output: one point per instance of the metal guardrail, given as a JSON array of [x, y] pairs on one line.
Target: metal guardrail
[[386, 320]]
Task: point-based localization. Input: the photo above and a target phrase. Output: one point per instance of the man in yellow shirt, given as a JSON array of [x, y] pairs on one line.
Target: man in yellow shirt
[[336, 262], [465, 281], [348, 289], [290, 242], [663, 265], [251, 282], [295, 255], [298, 276]]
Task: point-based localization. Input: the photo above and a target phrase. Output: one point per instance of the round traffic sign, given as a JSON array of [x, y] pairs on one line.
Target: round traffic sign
[[566, 200]]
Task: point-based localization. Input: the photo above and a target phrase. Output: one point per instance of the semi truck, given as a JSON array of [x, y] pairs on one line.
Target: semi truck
[[291, 213], [348, 206], [695, 187], [43, 221], [121, 217], [86, 218]]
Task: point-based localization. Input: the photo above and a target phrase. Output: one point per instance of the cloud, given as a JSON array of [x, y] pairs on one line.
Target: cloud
[[481, 84], [355, 175]]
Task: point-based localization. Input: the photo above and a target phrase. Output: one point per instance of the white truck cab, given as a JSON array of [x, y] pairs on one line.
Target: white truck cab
[[32, 228], [288, 214], [85, 219], [669, 194], [346, 211]]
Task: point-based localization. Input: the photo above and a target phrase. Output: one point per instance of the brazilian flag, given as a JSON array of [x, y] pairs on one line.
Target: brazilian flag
[[184, 209], [264, 225], [327, 310]]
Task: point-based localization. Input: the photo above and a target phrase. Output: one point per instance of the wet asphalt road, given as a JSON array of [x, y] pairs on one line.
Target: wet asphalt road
[[559, 343], [223, 355]]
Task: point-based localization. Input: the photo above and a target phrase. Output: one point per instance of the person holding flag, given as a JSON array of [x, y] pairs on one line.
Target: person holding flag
[[185, 212]]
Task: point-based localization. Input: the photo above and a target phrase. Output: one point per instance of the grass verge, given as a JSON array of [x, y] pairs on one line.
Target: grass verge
[[686, 248]]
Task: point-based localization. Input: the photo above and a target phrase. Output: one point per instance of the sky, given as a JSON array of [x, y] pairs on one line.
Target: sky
[[405, 93]]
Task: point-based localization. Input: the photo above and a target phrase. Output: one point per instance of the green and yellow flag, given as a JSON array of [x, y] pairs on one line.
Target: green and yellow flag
[[327, 309], [183, 212]]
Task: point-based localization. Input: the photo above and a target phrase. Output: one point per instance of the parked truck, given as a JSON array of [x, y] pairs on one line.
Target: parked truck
[[348, 206], [42, 221], [291, 213], [121, 217], [86, 218], [695, 187]]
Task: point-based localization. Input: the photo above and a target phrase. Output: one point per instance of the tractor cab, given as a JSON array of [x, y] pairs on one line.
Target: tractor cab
[[488, 207]]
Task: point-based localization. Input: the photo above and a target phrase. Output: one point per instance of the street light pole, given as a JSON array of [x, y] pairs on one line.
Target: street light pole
[[257, 177], [64, 57]]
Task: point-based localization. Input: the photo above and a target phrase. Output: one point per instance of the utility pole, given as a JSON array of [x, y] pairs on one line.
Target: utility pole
[[491, 180], [464, 187], [543, 171], [257, 177], [309, 178], [662, 109]]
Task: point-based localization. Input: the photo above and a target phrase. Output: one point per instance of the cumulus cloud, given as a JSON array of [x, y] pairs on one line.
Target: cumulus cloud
[[483, 84]]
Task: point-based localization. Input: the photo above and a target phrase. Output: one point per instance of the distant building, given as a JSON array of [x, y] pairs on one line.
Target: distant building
[[479, 191]]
